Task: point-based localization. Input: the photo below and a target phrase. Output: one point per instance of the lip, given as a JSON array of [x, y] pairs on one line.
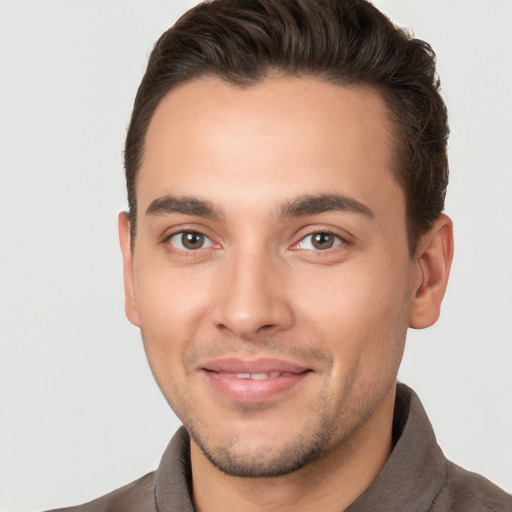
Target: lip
[[261, 365], [231, 377]]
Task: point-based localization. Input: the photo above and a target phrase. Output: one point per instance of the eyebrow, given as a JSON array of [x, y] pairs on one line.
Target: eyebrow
[[299, 207], [185, 205], [316, 204]]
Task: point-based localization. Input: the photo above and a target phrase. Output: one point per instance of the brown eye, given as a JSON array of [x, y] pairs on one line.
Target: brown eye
[[189, 241], [320, 241], [192, 240]]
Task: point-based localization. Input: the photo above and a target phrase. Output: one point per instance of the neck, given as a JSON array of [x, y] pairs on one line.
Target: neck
[[330, 483]]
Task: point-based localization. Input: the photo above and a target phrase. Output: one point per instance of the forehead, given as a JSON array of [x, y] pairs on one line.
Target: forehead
[[282, 137]]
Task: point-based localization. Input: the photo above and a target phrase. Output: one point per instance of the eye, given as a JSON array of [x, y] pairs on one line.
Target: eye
[[190, 241], [320, 241]]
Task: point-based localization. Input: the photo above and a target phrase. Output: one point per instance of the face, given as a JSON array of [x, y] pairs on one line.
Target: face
[[271, 275]]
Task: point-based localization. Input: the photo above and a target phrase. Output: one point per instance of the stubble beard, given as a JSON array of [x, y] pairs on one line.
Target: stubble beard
[[331, 426], [275, 457], [327, 430], [269, 461]]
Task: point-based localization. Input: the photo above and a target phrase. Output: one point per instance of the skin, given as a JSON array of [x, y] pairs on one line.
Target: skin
[[258, 287]]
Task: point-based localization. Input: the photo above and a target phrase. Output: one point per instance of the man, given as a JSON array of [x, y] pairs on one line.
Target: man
[[286, 171]]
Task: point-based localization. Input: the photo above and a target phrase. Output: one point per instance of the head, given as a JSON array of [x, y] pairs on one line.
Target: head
[[343, 42], [286, 172]]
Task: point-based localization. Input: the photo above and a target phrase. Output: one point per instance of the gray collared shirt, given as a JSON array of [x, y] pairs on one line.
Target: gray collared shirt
[[416, 478]]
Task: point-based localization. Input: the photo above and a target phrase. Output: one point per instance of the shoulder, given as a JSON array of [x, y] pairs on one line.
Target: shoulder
[[135, 497], [465, 491]]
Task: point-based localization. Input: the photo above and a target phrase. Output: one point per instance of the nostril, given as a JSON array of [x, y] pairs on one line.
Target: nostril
[[266, 327]]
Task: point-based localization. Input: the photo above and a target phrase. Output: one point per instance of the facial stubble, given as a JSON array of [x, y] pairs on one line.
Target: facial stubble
[[330, 426], [333, 418]]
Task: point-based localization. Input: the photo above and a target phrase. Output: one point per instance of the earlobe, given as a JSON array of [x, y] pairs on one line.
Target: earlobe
[[432, 269], [130, 305]]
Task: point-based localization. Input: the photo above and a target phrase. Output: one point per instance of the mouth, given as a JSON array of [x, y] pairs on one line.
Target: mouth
[[258, 376], [253, 381]]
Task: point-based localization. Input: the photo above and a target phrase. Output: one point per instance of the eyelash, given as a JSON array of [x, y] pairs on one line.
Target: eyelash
[[338, 240], [183, 232]]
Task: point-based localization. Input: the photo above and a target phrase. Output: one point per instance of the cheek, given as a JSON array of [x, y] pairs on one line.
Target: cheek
[[169, 299], [171, 305], [360, 311]]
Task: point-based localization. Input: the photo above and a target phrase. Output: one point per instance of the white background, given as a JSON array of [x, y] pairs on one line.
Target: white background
[[79, 412]]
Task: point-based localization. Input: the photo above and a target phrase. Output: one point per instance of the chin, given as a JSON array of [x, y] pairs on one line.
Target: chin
[[265, 461], [266, 453]]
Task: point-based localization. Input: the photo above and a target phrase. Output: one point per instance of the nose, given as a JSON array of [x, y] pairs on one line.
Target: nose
[[253, 299]]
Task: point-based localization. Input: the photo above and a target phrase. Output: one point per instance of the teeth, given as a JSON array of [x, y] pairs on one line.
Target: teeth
[[257, 376]]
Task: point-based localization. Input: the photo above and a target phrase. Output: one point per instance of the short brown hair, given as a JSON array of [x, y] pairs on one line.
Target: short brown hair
[[346, 42]]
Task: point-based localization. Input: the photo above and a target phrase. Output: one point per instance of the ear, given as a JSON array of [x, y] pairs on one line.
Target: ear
[[433, 261], [130, 304]]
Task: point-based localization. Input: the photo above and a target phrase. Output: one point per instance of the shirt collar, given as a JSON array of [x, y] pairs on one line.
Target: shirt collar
[[416, 469]]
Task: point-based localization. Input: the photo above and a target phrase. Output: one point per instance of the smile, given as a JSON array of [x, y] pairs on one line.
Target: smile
[[253, 381], [258, 376]]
